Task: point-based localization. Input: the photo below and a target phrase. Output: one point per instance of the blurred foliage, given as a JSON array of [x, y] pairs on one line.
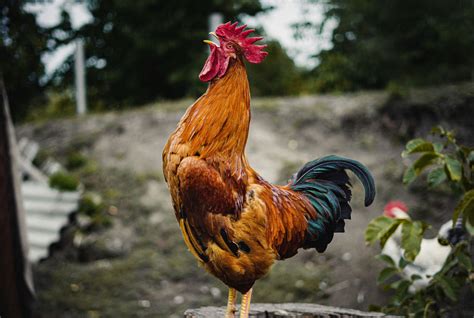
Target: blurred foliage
[[409, 42], [140, 51], [58, 104], [63, 181], [92, 206], [136, 52], [451, 164], [76, 160], [91, 203], [21, 44]]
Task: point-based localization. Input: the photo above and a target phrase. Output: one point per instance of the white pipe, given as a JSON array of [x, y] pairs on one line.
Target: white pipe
[[80, 78]]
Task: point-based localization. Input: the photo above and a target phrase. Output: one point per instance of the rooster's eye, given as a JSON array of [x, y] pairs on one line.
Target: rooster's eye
[[229, 46]]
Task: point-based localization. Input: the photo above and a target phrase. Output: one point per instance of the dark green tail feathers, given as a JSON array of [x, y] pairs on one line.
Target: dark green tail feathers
[[325, 183]]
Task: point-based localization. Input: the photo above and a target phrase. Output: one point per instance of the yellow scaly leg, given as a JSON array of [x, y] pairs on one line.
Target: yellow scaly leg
[[245, 306], [229, 313]]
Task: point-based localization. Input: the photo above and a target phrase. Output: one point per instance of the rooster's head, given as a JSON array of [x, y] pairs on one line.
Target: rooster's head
[[234, 43], [397, 210]]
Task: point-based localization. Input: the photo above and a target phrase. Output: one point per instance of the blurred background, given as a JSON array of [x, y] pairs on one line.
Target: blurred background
[[96, 87]]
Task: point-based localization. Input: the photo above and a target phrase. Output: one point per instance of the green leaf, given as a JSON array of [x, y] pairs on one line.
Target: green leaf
[[402, 290], [402, 263], [424, 161], [447, 266], [463, 153], [396, 284], [415, 277], [465, 207], [387, 259], [385, 274], [417, 306], [438, 130], [412, 234], [465, 261], [381, 228], [438, 147], [470, 227], [418, 145], [454, 167], [451, 136], [426, 311], [436, 177], [470, 220], [409, 176], [470, 157], [447, 287], [412, 144]]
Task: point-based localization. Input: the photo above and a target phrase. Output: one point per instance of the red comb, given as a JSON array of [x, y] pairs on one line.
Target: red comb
[[396, 204], [238, 34]]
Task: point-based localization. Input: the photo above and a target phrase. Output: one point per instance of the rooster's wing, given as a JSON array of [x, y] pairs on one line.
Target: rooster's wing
[[208, 205]]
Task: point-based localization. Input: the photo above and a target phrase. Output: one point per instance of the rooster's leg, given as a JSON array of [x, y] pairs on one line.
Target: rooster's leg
[[245, 306], [229, 313]]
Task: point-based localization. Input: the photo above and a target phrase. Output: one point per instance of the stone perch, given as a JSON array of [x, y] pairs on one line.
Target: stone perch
[[295, 310]]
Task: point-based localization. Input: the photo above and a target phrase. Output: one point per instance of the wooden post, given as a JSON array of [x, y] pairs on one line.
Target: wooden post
[[16, 286]]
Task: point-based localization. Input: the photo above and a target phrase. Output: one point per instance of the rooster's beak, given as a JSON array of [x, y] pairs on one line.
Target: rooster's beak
[[210, 42]]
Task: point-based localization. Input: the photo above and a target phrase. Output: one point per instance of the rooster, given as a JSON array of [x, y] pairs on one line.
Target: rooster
[[234, 222]]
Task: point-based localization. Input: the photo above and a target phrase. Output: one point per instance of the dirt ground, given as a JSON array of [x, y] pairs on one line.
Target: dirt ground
[[139, 266]]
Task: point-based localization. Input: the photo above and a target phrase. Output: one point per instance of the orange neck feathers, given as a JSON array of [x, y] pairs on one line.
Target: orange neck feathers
[[217, 124]]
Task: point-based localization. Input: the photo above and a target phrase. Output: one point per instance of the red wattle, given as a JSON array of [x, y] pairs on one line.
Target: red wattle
[[224, 64], [211, 67]]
